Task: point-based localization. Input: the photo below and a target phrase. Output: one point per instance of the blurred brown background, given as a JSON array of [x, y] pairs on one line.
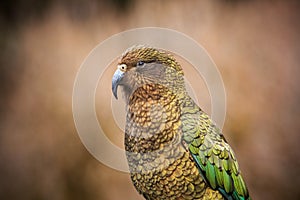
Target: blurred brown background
[[255, 45]]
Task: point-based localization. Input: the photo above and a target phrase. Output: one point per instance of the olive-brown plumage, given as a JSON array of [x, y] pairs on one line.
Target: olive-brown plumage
[[174, 150]]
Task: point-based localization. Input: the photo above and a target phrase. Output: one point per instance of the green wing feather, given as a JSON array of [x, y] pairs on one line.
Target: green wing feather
[[214, 157]]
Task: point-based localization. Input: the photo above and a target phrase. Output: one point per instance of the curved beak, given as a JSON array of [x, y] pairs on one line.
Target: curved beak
[[118, 75]]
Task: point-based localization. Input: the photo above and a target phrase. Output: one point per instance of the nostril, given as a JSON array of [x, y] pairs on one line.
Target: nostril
[[122, 67]]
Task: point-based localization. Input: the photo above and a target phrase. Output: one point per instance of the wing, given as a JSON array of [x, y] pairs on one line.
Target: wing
[[214, 157]]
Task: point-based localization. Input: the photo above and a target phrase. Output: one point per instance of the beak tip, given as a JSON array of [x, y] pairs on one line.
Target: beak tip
[[115, 90], [115, 95]]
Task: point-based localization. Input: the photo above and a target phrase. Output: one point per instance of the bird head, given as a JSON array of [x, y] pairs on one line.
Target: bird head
[[140, 65]]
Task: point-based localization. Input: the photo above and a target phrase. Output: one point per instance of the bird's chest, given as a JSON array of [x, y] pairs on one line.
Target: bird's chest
[[152, 122], [160, 167], [173, 177]]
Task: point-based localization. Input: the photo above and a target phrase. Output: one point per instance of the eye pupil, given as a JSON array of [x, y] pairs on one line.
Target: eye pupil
[[140, 63]]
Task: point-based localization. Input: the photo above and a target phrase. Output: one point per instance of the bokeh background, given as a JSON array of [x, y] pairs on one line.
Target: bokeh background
[[255, 45]]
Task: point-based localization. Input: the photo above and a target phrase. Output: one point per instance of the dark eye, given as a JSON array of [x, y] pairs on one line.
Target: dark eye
[[140, 63]]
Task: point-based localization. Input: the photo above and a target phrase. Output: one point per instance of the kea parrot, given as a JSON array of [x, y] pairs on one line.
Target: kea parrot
[[174, 150]]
